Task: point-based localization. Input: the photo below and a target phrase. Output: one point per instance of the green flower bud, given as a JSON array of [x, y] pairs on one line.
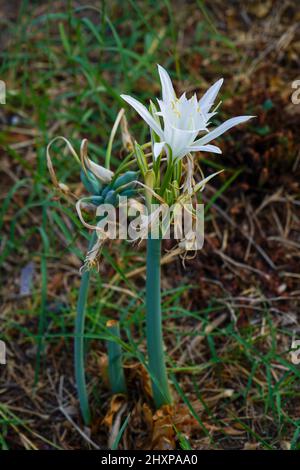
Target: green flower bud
[[124, 179], [90, 182], [111, 198], [106, 190], [97, 200], [129, 192]]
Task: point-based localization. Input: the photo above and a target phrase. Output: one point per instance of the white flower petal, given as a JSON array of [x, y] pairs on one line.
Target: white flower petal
[[99, 171], [179, 139], [168, 93], [144, 113], [205, 148], [221, 129], [182, 154], [157, 148], [209, 97]]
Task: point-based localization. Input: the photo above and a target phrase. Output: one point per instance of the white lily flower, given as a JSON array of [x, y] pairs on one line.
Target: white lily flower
[[183, 119]]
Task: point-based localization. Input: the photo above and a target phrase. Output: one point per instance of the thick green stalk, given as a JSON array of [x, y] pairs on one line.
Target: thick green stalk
[[156, 356], [115, 363], [79, 354]]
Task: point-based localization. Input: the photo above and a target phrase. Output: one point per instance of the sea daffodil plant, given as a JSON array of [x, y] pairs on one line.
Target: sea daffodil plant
[[174, 130], [179, 127]]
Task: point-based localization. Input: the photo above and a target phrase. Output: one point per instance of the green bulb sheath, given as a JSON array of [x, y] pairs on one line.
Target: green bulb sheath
[[115, 363], [79, 352], [156, 356]]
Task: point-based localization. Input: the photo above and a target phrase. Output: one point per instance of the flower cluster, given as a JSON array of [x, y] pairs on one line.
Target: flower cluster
[[180, 120]]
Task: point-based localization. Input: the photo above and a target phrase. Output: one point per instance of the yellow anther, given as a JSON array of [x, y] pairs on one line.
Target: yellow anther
[[173, 105]]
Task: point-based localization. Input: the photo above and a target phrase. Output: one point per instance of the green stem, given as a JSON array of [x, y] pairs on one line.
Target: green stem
[[115, 364], [157, 366], [79, 354]]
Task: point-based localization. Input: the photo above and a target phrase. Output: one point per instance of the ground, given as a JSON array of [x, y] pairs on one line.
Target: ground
[[231, 311]]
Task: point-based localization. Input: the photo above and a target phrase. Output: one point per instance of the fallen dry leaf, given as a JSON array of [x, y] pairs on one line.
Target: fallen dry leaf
[[116, 402]]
